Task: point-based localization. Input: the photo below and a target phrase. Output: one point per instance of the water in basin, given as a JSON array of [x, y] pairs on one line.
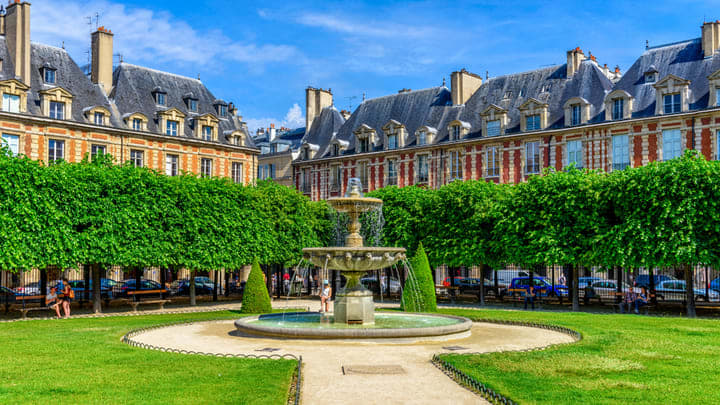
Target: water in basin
[[382, 321]]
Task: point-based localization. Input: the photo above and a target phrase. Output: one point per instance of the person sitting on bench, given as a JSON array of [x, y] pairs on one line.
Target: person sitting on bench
[[52, 302], [628, 300], [641, 300]]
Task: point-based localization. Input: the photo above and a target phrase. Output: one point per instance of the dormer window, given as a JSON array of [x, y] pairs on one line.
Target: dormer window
[[56, 103], [137, 124], [618, 108], [422, 138], [11, 103], [493, 128], [221, 107], [365, 138], [336, 150], [618, 105], [160, 98], [136, 121], [171, 128], [306, 154], [717, 96], [192, 105], [57, 110], [533, 115], [576, 114], [207, 133], [532, 122], [455, 133], [495, 119], [577, 111], [99, 118], [671, 103], [49, 75], [14, 95], [364, 145], [392, 141], [394, 135], [425, 135], [651, 74]]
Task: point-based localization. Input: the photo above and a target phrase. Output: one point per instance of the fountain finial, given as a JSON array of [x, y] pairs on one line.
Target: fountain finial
[[354, 188]]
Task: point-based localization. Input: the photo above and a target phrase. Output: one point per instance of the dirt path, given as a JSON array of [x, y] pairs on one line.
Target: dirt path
[[345, 372]]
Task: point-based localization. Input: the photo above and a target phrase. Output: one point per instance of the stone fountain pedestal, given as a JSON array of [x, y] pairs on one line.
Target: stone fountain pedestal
[[355, 306]]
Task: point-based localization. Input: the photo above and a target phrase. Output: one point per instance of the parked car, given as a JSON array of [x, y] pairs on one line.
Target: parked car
[[129, 285], [643, 280], [505, 277], [106, 288], [205, 281], [7, 296], [715, 284], [29, 289], [472, 286], [542, 286], [606, 289], [182, 287], [447, 283], [674, 290], [370, 282], [586, 281]]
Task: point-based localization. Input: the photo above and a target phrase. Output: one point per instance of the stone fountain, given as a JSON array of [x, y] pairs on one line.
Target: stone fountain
[[354, 305], [354, 316]]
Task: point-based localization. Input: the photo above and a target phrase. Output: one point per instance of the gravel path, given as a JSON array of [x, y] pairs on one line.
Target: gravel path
[[346, 372]]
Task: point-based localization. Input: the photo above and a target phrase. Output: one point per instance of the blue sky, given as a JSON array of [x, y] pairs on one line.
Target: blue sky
[[261, 55]]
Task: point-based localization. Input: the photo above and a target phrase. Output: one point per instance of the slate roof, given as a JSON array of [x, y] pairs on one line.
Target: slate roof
[[683, 59], [323, 127]]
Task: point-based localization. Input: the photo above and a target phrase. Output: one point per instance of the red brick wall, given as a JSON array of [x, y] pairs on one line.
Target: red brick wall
[[637, 150], [517, 161]]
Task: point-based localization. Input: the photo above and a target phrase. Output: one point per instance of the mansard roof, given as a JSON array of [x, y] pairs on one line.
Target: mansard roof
[[323, 127], [681, 59]]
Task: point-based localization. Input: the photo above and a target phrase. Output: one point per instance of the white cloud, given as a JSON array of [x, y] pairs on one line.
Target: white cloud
[[294, 118], [144, 35], [387, 29]]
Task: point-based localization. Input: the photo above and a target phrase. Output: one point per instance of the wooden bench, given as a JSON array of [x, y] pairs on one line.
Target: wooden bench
[[646, 307], [450, 291], [138, 295], [21, 302]]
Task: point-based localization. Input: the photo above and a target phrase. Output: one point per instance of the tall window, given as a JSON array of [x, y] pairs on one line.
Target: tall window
[[192, 104], [456, 171], [305, 180], [335, 178], [492, 157], [422, 138], [455, 133], [160, 98], [99, 118], [618, 106], [391, 172], [56, 150], [493, 128], [96, 150], [392, 141], [57, 110], [11, 103], [136, 157], [363, 173], [671, 103], [222, 110], [207, 133], [336, 150], [236, 171], [717, 96], [137, 124], [206, 167], [621, 152], [532, 122], [363, 145], [532, 157], [49, 76], [574, 153], [11, 142], [422, 168], [171, 128], [171, 165], [576, 114], [672, 144]]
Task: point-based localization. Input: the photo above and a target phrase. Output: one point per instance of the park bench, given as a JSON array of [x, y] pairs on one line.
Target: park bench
[[518, 295], [22, 302], [147, 297], [448, 291], [646, 308]]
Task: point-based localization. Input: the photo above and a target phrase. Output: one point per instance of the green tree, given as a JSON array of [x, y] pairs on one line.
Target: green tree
[[406, 215], [256, 299], [419, 292]]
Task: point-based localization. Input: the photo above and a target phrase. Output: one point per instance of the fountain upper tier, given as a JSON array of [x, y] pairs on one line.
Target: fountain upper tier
[[354, 259], [355, 204]]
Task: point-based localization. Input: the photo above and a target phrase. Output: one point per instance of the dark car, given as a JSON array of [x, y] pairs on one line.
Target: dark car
[[182, 287], [715, 284], [106, 288], [129, 285], [542, 287], [643, 280], [7, 296], [587, 281], [472, 285]]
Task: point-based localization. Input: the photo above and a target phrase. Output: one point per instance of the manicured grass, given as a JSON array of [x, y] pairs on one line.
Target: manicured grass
[[622, 359], [83, 361]]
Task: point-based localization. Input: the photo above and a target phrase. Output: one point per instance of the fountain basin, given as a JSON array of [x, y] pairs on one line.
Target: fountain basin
[[354, 204], [313, 325], [354, 259]]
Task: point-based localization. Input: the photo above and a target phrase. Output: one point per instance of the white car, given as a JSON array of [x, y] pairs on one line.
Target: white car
[[607, 289], [674, 290]]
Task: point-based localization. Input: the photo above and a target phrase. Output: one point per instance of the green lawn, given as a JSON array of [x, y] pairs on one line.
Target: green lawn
[[622, 359], [83, 361]]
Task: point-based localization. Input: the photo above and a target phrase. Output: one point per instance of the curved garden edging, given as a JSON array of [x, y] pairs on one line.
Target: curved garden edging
[[478, 387], [294, 395]]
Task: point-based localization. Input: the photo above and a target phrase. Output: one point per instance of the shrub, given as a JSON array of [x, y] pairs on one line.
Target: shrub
[[419, 292], [256, 299]]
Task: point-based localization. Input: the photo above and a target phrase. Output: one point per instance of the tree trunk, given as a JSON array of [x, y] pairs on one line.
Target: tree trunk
[[575, 293], [192, 289], [651, 286], [226, 291], [43, 285], [689, 291], [215, 286], [483, 269], [97, 288]]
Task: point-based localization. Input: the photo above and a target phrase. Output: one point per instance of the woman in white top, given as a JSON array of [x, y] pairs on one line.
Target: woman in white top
[[325, 296]]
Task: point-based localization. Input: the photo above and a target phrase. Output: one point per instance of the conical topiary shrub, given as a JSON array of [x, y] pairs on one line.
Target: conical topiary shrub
[[419, 292], [256, 299]]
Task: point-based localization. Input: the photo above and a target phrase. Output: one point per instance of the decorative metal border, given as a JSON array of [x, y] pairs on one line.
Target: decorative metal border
[[128, 339], [478, 387]]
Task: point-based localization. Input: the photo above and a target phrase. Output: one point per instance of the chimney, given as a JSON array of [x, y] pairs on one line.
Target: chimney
[[463, 84], [345, 114], [315, 101], [574, 59], [17, 35], [272, 132], [102, 59], [2, 20], [710, 38]]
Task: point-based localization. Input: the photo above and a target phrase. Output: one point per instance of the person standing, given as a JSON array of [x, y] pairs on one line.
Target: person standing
[[530, 297], [325, 295], [68, 295]]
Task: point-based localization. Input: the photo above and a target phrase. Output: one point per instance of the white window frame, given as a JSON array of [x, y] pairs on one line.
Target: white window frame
[[56, 151], [49, 74], [574, 151], [99, 118], [363, 173], [675, 104], [532, 122], [207, 133], [12, 142], [423, 169], [11, 103], [492, 156], [456, 165], [206, 166], [57, 110], [392, 141], [422, 138], [171, 127], [335, 178], [95, 149], [455, 133], [392, 172], [137, 124], [672, 144], [532, 157], [172, 164], [620, 151], [236, 172], [493, 128], [618, 107], [137, 157], [576, 114]]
